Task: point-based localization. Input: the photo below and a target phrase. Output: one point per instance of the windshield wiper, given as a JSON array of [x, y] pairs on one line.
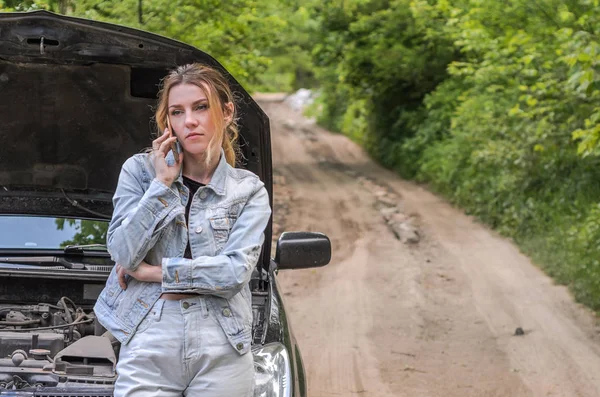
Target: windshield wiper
[[57, 257], [80, 249], [42, 260]]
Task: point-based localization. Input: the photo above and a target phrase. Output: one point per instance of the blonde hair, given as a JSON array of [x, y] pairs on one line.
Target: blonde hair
[[218, 92]]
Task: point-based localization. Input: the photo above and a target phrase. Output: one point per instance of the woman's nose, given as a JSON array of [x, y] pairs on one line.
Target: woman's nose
[[190, 120]]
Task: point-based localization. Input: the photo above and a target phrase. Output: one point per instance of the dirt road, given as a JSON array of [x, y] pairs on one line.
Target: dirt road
[[433, 318]]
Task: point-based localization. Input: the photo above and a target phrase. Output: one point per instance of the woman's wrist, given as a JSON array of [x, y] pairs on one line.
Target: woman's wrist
[[157, 274], [165, 181]]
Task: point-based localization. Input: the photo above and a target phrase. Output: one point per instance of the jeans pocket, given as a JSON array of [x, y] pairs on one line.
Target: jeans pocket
[[153, 317], [225, 317]]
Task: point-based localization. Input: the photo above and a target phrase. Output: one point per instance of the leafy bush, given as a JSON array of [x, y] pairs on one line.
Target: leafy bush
[[496, 105]]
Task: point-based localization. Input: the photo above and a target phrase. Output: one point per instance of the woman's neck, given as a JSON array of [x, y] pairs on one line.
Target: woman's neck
[[194, 167]]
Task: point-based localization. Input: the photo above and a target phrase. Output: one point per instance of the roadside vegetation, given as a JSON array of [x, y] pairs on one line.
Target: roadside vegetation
[[494, 104]]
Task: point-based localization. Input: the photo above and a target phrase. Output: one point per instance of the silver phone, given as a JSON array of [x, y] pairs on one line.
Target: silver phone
[[175, 145]]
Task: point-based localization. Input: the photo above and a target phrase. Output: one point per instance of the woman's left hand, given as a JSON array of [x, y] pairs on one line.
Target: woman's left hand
[[144, 272]]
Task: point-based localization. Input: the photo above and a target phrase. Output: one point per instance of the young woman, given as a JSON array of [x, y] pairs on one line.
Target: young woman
[[186, 233]]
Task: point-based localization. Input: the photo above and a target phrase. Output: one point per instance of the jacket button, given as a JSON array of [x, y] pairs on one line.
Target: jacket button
[[199, 229], [186, 305], [239, 346], [227, 312], [163, 201], [203, 195]]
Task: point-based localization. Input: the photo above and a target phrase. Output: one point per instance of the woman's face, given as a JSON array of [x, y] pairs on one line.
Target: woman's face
[[191, 120]]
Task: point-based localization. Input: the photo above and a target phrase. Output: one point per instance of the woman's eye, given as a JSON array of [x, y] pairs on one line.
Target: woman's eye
[[175, 112], [202, 107]]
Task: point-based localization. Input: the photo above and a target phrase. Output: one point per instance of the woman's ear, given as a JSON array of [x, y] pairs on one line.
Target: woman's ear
[[228, 111]]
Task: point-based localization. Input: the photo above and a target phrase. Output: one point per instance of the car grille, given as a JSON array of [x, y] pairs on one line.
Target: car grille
[[78, 392], [99, 268]]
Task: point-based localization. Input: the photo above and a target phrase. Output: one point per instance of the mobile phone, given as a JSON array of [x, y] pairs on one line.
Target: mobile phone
[[174, 146]]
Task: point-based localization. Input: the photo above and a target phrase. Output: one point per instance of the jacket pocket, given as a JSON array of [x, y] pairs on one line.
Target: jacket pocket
[[220, 227], [112, 291]]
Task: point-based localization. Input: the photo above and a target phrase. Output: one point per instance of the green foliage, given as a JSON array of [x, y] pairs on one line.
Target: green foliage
[[495, 104], [59, 6], [290, 65], [586, 272], [376, 61], [88, 232]]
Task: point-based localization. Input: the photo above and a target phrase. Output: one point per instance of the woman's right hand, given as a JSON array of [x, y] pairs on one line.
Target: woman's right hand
[[144, 272], [160, 148]]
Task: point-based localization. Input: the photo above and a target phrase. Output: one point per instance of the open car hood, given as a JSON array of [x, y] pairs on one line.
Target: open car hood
[[77, 100]]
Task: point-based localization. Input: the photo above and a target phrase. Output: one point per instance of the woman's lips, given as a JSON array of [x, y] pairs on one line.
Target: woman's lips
[[194, 136]]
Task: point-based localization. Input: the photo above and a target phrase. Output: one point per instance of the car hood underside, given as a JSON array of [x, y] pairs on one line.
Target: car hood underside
[[78, 97]]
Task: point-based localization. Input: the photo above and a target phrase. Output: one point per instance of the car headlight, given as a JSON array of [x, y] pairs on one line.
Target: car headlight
[[272, 372]]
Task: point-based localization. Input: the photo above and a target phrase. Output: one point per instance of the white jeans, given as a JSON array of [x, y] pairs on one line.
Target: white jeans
[[180, 350]]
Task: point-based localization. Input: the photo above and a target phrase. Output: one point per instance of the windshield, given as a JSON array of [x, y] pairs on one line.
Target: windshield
[[36, 232]]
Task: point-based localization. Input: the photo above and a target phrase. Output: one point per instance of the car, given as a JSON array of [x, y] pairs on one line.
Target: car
[[77, 101]]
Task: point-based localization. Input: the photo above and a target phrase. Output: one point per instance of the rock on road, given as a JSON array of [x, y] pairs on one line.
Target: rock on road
[[435, 317]]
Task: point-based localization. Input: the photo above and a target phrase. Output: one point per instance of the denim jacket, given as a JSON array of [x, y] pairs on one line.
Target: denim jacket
[[226, 227]]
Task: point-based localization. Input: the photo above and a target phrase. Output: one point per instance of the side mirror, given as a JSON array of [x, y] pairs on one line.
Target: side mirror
[[301, 250]]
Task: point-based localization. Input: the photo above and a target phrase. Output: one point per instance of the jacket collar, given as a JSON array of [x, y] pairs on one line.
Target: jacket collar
[[217, 182]]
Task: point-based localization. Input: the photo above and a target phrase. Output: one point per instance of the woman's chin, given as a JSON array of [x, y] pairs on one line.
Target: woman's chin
[[195, 150]]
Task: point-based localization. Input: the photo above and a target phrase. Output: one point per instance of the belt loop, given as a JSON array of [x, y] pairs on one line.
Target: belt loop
[[204, 306], [158, 306]]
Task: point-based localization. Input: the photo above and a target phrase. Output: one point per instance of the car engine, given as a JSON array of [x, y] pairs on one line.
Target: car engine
[[46, 345]]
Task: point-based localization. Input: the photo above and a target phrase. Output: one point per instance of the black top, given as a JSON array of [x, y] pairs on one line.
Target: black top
[[193, 186]]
